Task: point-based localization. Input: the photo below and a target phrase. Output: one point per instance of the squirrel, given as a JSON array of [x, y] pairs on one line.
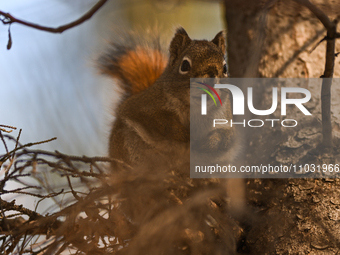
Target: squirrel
[[153, 128], [152, 122]]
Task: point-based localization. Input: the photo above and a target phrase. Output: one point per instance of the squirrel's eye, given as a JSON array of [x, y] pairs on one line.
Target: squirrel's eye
[[225, 69], [185, 66]]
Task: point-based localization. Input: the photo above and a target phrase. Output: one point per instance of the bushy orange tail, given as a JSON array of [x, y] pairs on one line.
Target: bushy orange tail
[[135, 61]]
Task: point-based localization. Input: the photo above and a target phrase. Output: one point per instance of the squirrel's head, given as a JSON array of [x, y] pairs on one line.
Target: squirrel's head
[[197, 58]]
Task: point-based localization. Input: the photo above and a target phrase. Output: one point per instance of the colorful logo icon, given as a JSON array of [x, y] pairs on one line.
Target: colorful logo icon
[[208, 92]]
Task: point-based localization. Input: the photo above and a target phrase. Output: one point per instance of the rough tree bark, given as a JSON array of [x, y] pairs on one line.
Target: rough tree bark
[[277, 43]]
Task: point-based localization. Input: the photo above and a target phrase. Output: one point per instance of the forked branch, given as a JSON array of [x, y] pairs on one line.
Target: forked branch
[[331, 37]]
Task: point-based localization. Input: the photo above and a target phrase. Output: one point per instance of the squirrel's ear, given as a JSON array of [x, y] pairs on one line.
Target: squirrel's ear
[[219, 40], [178, 43]]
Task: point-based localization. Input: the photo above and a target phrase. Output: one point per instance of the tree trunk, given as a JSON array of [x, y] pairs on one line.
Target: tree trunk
[[275, 41]]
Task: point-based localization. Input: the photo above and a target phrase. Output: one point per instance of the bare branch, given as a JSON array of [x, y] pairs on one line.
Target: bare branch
[[24, 146], [9, 19], [96, 219], [5, 126], [329, 70], [318, 13], [19, 208]]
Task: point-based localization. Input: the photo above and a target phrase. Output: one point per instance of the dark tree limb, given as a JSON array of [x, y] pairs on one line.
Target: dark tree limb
[[326, 88], [328, 73], [9, 19]]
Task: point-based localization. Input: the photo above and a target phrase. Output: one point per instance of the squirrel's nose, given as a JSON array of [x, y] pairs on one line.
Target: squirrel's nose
[[212, 72]]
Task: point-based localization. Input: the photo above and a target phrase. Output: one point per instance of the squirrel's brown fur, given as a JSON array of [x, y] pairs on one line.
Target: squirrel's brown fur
[[151, 134], [143, 67], [140, 68], [153, 119], [136, 62]]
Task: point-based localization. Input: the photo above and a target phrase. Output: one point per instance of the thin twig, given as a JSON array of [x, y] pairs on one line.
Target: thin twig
[[5, 126], [26, 145], [9, 19], [4, 142], [323, 39], [16, 143], [19, 208]]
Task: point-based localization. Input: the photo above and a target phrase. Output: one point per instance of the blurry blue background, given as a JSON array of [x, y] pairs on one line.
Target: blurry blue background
[[49, 84]]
